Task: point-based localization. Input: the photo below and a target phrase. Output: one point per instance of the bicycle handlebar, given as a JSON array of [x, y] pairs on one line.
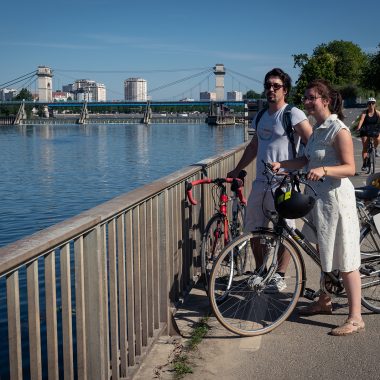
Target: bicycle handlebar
[[237, 185], [300, 176]]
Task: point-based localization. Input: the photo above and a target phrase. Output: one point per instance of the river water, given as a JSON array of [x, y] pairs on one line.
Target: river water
[[50, 173]]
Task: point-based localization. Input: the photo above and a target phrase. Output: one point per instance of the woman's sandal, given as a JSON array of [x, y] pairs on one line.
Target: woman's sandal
[[349, 327], [314, 309]]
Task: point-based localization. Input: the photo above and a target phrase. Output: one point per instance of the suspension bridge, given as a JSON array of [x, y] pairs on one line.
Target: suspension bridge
[[237, 81], [46, 106]]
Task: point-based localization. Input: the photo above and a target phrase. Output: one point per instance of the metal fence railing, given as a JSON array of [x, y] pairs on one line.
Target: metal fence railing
[[86, 298]]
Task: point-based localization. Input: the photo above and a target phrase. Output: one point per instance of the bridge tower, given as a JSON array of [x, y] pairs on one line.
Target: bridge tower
[[219, 81], [45, 88]]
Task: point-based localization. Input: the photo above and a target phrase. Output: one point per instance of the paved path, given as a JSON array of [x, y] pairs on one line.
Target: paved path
[[300, 348]]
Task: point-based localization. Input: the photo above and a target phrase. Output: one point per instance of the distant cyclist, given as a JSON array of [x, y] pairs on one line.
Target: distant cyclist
[[369, 122]]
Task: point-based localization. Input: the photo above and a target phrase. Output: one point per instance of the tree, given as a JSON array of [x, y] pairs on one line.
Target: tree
[[252, 95], [340, 62], [24, 94], [349, 61], [371, 73]]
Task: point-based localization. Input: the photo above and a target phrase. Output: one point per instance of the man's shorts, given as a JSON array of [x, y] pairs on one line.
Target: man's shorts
[[260, 199]]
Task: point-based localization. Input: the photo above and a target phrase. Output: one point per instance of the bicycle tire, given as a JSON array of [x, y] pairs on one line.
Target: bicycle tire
[[370, 268], [371, 160], [213, 243], [211, 246], [240, 302]]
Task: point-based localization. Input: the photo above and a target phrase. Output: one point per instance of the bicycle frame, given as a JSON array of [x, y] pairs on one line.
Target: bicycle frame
[[283, 230], [371, 155], [223, 199], [223, 196], [249, 303]]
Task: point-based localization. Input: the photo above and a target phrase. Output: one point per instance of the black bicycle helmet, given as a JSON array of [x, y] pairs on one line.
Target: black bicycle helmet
[[291, 204]]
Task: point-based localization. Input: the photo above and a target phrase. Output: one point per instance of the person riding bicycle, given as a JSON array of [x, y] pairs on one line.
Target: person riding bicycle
[[271, 143], [329, 154], [369, 124]]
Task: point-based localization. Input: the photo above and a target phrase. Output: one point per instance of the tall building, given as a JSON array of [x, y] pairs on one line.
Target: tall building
[[89, 90], [234, 95], [7, 94], [45, 88], [207, 95], [135, 89], [219, 80]]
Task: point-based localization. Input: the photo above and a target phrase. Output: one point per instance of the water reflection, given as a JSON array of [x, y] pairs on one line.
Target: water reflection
[[50, 173]]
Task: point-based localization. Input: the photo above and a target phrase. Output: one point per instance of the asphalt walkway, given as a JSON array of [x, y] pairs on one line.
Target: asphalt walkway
[[301, 348]]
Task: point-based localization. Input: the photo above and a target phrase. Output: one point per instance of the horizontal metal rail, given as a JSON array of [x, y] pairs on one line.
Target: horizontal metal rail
[[99, 288]]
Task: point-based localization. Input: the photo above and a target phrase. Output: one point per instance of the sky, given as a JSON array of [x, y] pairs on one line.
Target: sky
[[174, 44]]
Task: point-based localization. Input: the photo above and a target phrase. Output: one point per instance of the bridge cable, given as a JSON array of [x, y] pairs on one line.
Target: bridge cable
[[28, 84], [129, 71], [22, 76], [179, 81], [23, 79], [245, 76], [192, 88], [239, 82]]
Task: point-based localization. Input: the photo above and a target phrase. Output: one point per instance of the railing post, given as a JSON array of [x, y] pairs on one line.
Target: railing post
[[94, 304], [14, 326]]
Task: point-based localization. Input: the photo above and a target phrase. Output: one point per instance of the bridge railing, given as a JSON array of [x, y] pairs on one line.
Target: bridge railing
[[88, 297]]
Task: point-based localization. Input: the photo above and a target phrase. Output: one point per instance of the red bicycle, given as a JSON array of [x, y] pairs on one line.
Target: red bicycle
[[220, 230]]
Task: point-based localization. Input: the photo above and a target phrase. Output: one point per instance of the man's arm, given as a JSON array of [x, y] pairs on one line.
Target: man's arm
[[304, 130], [249, 155]]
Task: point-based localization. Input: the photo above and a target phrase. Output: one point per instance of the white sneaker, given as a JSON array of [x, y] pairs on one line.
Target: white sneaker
[[276, 284]]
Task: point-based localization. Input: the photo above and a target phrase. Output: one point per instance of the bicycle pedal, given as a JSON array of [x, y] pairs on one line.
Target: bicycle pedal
[[367, 270], [310, 294]]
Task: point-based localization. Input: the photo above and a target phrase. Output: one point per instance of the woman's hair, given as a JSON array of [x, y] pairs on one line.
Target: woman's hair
[[286, 80], [324, 88]]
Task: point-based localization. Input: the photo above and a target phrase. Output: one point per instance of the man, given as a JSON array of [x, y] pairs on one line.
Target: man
[[271, 143]]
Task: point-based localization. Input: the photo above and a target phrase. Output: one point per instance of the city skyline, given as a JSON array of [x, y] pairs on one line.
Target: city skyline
[[166, 42]]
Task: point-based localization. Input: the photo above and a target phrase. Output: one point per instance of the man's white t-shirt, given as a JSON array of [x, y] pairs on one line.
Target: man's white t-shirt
[[273, 142]]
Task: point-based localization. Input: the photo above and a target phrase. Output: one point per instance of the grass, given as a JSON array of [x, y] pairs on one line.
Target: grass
[[181, 366], [182, 361]]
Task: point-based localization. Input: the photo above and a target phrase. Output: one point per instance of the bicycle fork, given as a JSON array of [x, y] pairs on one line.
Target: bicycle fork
[[270, 248]]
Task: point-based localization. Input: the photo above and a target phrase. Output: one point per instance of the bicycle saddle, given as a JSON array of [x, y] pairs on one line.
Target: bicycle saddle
[[367, 192]]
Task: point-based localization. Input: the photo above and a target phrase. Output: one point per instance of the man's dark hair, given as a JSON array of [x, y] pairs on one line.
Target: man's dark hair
[[286, 80]]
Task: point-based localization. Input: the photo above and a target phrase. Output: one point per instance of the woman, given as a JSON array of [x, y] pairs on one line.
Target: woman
[[329, 155], [369, 121]]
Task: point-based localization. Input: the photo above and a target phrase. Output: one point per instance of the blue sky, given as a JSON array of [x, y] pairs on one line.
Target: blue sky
[[167, 41]]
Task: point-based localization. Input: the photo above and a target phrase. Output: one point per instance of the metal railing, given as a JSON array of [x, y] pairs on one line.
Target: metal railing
[[99, 288]]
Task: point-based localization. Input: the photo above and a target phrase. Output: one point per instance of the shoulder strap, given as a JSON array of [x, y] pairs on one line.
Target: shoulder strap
[[287, 124], [259, 115]]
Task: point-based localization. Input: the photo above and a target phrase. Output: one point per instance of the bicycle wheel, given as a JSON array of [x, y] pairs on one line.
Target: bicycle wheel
[[371, 160], [212, 244], [370, 268], [240, 302]]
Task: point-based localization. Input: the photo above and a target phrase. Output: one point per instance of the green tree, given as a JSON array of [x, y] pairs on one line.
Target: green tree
[[24, 94], [340, 62], [371, 73], [252, 95], [349, 61]]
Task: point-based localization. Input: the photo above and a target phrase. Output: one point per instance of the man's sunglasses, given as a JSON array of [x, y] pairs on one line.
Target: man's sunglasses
[[276, 86]]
